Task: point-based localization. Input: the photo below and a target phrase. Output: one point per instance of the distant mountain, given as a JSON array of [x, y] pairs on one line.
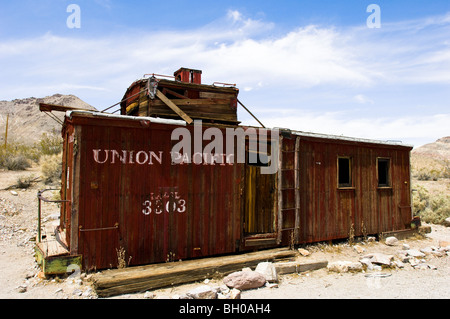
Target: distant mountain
[[26, 123], [432, 158], [439, 150]]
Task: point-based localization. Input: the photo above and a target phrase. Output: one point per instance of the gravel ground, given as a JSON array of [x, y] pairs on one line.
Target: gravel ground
[[20, 278]]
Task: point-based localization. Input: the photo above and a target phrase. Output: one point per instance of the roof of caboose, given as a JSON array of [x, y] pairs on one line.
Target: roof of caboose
[[328, 137]]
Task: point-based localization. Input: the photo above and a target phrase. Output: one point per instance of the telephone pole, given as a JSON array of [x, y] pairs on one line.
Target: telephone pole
[[6, 132]]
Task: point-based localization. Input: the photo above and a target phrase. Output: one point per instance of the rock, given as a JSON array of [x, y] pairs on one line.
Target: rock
[[202, 292], [424, 229], [304, 252], [77, 292], [413, 261], [267, 269], [344, 266], [380, 259], [371, 239], [271, 285], [398, 264], [149, 295], [447, 222], [22, 289], [424, 266], [58, 290], [438, 253], [366, 262], [405, 247], [235, 294], [426, 250], [391, 241], [224, 289], [244, 280], [14, 193], [359, 249], [415, 253]]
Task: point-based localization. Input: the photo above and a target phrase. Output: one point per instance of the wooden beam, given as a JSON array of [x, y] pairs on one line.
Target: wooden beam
[[172, 105], [142, 278], [44, 107]]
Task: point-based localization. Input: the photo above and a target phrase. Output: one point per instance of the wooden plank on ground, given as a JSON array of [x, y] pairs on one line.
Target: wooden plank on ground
[[142, 278]]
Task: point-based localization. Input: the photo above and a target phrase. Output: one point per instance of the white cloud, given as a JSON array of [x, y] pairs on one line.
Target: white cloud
[[362, 99], [408, 129], [238, 49]]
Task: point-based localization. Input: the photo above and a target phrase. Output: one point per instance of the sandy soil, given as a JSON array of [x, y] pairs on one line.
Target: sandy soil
[[20, 277]]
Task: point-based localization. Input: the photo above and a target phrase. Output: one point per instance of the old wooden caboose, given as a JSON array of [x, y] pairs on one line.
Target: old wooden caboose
[[122, 191]]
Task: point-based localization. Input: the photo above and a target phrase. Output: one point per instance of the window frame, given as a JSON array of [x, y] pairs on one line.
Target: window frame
[[348, 185], [387, 173]]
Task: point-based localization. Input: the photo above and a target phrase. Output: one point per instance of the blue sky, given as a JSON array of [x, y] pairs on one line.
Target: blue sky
[[306, 65]]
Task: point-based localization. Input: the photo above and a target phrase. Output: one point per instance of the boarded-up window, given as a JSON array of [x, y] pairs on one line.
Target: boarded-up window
[[344, 172], [383, 167]]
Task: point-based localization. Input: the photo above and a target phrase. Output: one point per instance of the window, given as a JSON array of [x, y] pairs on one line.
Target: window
[[383, 167], [344, 172]]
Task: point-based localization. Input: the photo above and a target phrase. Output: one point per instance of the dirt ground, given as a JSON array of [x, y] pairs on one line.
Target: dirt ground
[[19, 273]]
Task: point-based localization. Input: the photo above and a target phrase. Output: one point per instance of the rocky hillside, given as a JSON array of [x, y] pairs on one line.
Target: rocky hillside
[[439, 150], [26, 123], [432, 159]]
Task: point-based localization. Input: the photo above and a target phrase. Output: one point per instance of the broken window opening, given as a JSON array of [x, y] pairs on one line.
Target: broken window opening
[[344, 172], [383, 165]]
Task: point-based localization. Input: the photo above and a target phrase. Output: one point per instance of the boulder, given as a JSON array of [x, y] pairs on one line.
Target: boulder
[[267, 269], [415, 253], [380, 259], [391, 241], [244, 280]]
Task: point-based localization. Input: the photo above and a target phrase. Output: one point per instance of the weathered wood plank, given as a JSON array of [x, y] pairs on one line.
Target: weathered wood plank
[[213, 95], [141, 278], [175, 108]]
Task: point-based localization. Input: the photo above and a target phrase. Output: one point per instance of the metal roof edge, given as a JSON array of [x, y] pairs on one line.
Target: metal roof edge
[[126, 117], [351, 139]]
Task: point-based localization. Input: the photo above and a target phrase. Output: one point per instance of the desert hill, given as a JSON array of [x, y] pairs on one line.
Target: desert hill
[[432, 159], [439, 150], [26, 123]]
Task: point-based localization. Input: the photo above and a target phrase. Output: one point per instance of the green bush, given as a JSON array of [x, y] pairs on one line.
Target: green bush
[[50, 144], [431, 209], [16, 163], [51, 168]]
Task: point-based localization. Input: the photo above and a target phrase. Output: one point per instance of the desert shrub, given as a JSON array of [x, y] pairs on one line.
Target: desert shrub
[[51, 168], [431, 209], [16, 163], [428, 175], [421, 200], [439, 210], [24, 181], [50, 144], [17, 156]]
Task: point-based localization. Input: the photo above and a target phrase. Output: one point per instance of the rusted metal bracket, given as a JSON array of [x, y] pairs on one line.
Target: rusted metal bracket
[[42, 198], [116, 226]]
